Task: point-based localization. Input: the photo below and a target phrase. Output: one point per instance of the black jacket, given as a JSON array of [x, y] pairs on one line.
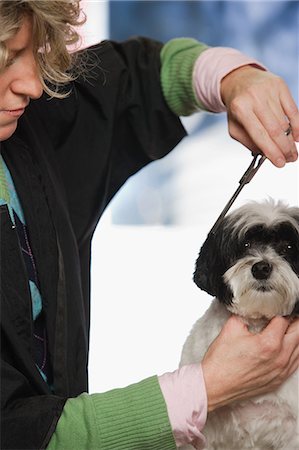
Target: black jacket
[[68, 158]]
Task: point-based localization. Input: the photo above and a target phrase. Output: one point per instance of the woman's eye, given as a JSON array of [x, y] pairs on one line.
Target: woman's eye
[[10, 62]]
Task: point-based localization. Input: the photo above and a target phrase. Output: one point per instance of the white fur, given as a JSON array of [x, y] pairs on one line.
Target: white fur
[[268, 422], [267, 212], [263, 423]]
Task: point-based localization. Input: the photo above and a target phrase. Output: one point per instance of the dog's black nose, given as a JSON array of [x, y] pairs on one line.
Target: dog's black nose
[[261, 270]]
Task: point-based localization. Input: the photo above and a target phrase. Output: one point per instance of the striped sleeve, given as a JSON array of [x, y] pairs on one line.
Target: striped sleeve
[[132, 418], [178, 57]]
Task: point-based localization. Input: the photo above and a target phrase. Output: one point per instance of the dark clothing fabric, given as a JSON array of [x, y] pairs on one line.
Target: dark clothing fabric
[[41, 357], [68, 158]]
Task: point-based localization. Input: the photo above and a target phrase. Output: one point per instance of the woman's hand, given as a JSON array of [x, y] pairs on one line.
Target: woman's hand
[[260, 109], [240, 365]]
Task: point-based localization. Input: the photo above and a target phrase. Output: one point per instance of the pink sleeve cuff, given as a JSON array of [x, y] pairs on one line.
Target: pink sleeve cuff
[[210, 67], [186, 399]]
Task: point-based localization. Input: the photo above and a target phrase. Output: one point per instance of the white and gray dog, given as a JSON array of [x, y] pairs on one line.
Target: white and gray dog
[[251, 266]]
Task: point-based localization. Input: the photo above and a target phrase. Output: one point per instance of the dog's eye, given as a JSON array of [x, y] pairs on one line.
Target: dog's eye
[[287, 248], [247, 244]]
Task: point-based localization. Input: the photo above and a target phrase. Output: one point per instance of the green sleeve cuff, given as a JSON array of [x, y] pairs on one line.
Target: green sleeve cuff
[[132, 418], [177, 61]]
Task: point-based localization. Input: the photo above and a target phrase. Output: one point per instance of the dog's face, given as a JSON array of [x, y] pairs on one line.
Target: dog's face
[[252, 262]]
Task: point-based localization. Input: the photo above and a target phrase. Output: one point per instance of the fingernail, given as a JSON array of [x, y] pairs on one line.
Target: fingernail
[[291, 157], [280, 162]]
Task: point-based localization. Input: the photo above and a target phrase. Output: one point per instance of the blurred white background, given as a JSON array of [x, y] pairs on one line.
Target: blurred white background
[[144, 301]]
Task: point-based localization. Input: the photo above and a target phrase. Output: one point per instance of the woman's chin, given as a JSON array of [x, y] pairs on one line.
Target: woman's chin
[[6, 131]]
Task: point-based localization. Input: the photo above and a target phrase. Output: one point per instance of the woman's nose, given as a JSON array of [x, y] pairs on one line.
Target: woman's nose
[[28, 83], [33, 88]]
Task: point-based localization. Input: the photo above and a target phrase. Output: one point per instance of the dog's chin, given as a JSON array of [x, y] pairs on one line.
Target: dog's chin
[[261, 302], [263, 288]]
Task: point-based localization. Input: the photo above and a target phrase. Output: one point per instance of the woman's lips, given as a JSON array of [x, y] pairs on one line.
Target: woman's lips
[[14, 112]]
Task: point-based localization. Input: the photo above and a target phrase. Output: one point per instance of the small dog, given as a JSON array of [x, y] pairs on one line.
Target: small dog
[[251, 266]]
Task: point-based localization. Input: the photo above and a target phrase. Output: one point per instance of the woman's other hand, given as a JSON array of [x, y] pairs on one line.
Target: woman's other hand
[[240, 365]]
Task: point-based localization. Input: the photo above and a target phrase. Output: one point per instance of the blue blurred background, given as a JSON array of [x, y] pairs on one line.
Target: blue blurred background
[[266, 30]]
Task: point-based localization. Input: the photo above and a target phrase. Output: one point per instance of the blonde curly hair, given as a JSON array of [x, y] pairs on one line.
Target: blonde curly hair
[[54, 23]]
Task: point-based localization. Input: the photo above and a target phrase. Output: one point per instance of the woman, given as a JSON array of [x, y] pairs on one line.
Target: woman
[[113, 109]]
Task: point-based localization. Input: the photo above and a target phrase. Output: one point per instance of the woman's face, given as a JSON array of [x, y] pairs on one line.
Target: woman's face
[[19, 80]]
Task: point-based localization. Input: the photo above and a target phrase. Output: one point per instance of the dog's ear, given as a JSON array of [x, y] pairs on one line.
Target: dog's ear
[[212, 262], [210, 265], [204, 265]]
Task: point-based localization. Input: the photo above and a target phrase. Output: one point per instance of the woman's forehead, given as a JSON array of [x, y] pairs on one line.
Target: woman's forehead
[[22, 38]]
